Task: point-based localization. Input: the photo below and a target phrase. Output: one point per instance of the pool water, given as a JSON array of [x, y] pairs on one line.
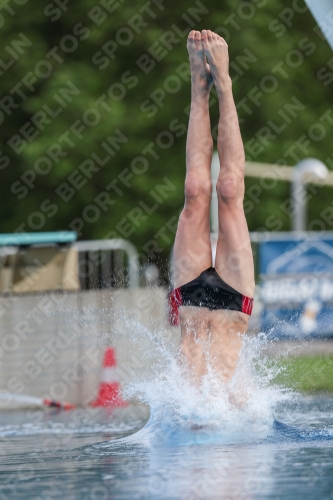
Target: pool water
[[98, 454]]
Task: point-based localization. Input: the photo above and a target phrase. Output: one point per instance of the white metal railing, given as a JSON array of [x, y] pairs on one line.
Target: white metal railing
[[96, 255]]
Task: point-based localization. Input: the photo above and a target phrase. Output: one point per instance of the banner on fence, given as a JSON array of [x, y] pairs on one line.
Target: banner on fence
[[296, 287]]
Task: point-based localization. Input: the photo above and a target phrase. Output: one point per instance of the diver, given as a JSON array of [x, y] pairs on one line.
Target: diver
[[213, 303]]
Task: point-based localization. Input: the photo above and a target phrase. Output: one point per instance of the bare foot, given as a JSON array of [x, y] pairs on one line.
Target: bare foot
[[200, 73], [216, 50]]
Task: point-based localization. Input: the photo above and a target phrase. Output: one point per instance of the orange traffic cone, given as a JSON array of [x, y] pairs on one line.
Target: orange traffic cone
[[109, 393]]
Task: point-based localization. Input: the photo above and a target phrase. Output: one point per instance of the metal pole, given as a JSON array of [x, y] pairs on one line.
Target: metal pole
[[298, 190], [298, 202]]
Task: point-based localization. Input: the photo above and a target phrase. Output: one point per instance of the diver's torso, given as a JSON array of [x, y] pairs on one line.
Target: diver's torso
[[202, 321]]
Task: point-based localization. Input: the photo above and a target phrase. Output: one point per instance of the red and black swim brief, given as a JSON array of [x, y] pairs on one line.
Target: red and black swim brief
[[208, 290]]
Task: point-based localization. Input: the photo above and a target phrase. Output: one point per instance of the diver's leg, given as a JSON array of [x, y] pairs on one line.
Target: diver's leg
[[234, 259], [192, 249]]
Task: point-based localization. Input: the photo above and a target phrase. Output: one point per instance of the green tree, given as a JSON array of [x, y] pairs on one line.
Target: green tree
[[80, 83]]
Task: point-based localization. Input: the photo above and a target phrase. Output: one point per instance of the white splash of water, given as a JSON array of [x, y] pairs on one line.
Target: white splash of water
[[242, 409]]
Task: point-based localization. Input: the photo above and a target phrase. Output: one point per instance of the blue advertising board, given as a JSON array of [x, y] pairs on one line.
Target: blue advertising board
[[296, 287]]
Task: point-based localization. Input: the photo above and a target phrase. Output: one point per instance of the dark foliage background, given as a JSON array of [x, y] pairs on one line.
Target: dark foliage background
[[260, 35]]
